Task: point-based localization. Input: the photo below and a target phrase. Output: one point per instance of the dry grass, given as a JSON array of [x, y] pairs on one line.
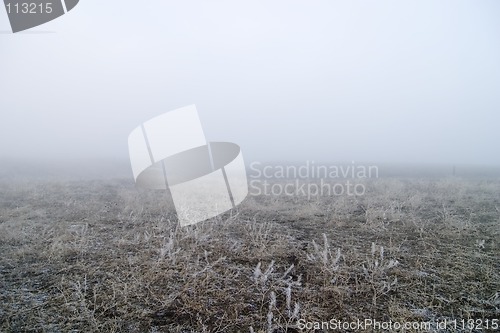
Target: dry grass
[[104, 257]]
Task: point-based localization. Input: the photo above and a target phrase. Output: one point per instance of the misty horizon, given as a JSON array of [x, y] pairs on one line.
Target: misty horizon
[[385, 82], [88, 169]]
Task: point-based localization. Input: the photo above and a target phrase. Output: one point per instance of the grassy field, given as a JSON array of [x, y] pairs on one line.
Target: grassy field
[[102, 256]]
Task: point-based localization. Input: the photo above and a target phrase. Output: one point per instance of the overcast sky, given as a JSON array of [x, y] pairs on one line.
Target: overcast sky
[[375, 81]]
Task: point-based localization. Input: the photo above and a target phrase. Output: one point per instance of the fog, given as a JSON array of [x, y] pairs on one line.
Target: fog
[[379, 81]]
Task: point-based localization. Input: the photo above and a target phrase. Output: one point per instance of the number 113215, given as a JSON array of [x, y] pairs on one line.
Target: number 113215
[[29, 8]]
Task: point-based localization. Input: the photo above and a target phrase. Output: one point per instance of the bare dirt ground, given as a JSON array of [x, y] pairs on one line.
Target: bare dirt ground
[[101, 256]]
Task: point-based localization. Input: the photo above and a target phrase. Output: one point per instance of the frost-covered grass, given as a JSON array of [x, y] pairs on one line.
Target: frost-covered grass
[[104, 257]]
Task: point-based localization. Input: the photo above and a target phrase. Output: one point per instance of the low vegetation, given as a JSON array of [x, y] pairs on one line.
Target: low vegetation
[[103, 256]]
